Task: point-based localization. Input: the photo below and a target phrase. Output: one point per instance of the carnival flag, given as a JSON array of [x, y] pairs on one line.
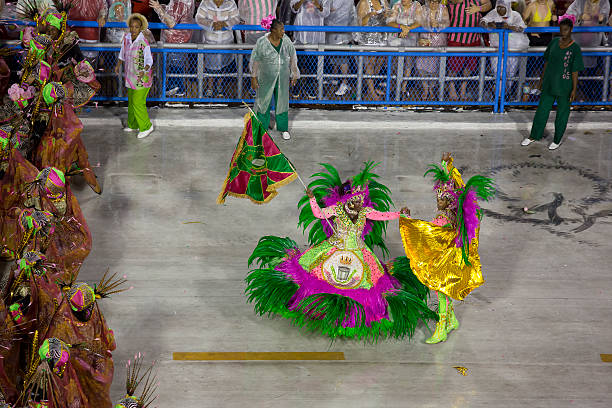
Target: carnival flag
[[258, 167]]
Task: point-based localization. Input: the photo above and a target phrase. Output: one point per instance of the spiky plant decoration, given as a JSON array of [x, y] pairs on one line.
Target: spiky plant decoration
[[109, 285], [135, 376], [39, 379], [326, 186], [7, 51], [27, 10], [41, 383], [66, 285], [63, 6]]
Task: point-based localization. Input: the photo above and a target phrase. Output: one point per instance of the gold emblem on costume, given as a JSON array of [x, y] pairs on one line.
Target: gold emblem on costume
[[344, 270], [462, 370]]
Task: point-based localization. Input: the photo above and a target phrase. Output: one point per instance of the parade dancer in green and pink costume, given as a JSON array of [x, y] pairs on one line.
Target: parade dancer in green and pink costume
[[136, 54], [338, 286]]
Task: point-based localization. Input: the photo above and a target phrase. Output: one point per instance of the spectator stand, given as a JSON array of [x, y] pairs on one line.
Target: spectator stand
[[486, 87]]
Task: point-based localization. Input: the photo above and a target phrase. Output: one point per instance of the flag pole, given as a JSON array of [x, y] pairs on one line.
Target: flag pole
[[288, 161]]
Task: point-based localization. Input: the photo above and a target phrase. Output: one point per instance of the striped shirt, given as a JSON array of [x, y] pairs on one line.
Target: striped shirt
[[459, 18], [253, 11]]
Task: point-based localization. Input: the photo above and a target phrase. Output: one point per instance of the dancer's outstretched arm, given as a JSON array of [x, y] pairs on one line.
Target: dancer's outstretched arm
[[386, 216], [326, 212]]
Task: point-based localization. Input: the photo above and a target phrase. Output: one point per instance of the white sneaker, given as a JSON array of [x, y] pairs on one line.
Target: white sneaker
[[553, 146], [286, 135], [172, 91], [342, 90], [527, 141], [145, 133], [129, 129]]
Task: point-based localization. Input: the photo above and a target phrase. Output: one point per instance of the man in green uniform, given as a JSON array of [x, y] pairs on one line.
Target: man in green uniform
[[558, 82], [273, 64]]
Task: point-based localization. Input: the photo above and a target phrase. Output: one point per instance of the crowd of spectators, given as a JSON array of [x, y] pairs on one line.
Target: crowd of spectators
[[213, 16]]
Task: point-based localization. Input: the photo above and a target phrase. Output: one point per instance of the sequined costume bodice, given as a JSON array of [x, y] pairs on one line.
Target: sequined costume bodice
[[348, 234]]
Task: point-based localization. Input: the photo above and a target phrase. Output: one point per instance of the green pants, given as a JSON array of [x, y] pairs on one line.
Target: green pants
[[138, 118], [282, 119], [541, 116]]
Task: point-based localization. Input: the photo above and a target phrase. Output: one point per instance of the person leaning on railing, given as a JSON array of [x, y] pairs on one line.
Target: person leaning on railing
[[308, 13], [435, 17], [406, 15], [504, 17], [465, 14], [177, 12], [590, 13], [251, 13], [540, 13], [373, 13], [559, 82], [118, 12], [217, 17], [89, 10], [341, 13]]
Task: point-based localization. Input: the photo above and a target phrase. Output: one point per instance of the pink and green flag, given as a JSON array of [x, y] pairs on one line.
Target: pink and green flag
[[258, 167]]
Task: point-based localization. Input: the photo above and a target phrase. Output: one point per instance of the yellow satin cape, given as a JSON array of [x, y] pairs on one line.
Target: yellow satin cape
[[437, 262]]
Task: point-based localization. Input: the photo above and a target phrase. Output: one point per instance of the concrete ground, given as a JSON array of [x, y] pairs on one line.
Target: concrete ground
[[532, 336]]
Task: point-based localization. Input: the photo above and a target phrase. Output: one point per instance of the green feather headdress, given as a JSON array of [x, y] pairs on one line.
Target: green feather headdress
[[443, 183]]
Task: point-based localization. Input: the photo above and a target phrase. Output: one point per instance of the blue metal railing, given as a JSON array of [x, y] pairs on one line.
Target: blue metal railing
[[495, 90]]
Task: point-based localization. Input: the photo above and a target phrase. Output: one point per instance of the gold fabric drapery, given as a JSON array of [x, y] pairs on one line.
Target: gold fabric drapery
[[437, 262]]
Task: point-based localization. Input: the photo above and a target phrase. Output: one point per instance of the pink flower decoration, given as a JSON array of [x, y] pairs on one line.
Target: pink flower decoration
[[14, 92], [267, 22], [84, 72], [17, 93], [29, 92]]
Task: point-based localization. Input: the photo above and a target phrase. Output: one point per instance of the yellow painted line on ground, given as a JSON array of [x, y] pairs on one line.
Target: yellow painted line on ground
[[245, 356], [606, 358]]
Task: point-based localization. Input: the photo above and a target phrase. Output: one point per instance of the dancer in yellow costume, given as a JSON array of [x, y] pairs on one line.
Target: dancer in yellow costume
[[444, 253]]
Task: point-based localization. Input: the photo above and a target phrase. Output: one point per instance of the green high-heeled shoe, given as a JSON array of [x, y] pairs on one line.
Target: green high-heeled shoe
[[452, 322], [440, 333]]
